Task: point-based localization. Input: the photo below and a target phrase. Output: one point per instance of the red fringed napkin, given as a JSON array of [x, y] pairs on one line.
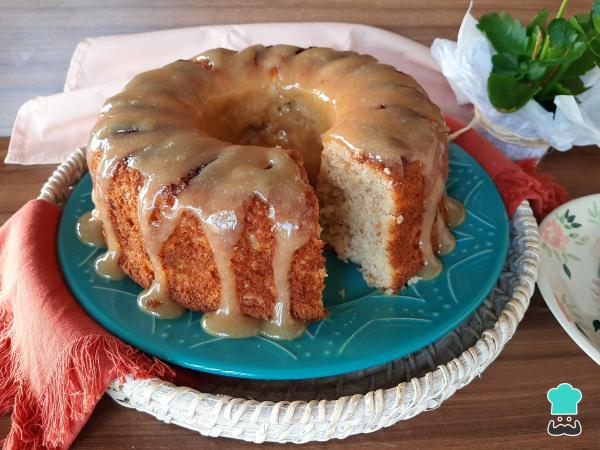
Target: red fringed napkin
[[56, 362], [516, 181]]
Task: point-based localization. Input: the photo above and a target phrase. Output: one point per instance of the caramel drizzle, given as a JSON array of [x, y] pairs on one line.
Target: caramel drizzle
[[219, 195], [89, 229]]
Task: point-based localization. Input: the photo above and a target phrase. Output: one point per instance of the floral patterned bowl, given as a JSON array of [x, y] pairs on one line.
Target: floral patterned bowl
[[569, 276]]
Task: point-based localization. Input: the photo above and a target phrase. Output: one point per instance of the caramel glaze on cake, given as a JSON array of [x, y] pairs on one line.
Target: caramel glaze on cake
[[201, 174]]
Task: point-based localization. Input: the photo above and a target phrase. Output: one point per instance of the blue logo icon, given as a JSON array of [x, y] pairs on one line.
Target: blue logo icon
[[564, 399]]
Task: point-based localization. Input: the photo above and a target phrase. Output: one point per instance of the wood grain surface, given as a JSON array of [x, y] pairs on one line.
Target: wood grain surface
[[506, 408]]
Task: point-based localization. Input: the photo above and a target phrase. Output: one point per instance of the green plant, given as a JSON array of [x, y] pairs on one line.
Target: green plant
[[542, 60]]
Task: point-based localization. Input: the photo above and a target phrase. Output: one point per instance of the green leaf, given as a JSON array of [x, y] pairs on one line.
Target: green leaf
[[572, 55], [581, 66], [562, 33], [594, 45], [554, 55], [532, 40], [566, 270], [572, 86], [554, 61], [596, 7], [505, 63], [538, 21], [575, 225], [507, 94], [504, 33], [560, 89], [583, 23], [578, 22], [596, 22], [536, 70], [576, 52]]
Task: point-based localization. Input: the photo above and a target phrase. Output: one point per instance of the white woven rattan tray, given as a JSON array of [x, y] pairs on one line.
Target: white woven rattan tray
[[336, 407]]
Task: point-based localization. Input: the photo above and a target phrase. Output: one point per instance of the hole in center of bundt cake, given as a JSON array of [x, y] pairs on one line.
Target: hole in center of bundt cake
[[273, 117]]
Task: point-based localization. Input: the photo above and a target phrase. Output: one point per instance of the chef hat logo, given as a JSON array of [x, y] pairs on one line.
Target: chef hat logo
[[564, 399]]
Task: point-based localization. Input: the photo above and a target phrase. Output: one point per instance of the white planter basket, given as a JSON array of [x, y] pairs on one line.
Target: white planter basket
[[336, 407]]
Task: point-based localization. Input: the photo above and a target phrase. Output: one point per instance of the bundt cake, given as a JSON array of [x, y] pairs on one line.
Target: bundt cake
[[211, 177]]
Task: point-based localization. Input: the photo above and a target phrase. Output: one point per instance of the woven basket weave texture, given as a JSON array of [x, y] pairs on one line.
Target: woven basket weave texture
[[336, 407]]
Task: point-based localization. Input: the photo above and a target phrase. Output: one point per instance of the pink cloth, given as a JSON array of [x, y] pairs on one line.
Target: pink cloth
[[48, 129]]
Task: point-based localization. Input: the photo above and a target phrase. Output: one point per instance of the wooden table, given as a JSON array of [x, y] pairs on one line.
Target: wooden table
[[506, 408]]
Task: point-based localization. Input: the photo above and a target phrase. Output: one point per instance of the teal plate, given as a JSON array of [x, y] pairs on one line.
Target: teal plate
[[364, 328]]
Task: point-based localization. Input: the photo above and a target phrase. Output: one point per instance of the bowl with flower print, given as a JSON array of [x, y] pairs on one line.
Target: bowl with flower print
[[569, 275]]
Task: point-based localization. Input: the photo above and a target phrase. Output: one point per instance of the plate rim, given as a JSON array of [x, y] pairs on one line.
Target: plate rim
[[547, 293]]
